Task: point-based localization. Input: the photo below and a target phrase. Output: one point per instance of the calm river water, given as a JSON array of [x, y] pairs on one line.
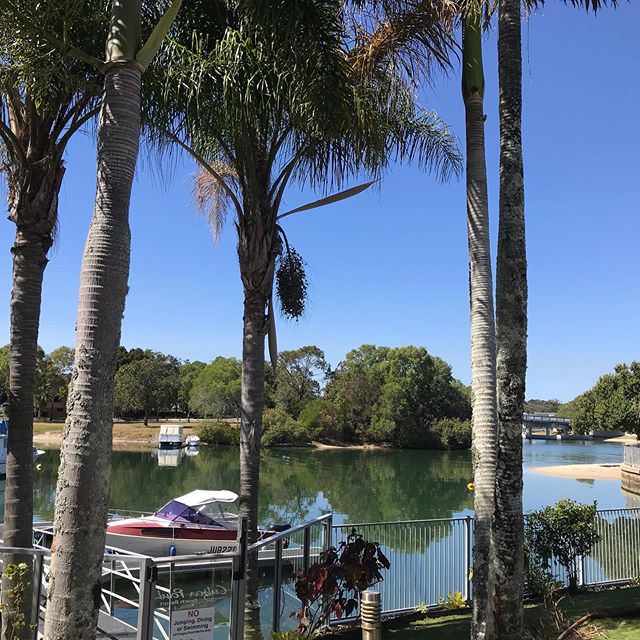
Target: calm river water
[[357, 485]]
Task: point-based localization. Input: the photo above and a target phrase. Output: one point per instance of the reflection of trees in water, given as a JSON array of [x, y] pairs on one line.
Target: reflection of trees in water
[[363, 486]]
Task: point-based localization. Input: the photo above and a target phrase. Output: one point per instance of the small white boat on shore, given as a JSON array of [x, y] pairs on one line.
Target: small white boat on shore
[[192, 441]]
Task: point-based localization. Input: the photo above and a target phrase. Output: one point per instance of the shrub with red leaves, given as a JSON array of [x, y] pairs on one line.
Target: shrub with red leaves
[[332, 586]]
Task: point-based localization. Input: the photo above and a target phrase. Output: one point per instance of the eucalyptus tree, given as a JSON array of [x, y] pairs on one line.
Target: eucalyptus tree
[[84, 475], [45, 98], [259, 105]]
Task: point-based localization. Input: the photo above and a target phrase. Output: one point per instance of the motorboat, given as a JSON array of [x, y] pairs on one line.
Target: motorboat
[[171, 436], [192, 441], [197, 522]]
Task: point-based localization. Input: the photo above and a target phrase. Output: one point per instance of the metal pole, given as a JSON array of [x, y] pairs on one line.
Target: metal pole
[[306, 549], [37, 591], [238, 587], [277, 584], [467, 558], [112, 585], [148, 577], [328, 532]]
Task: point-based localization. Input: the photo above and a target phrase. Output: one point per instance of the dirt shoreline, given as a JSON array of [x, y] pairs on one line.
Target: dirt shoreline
[[581, 471], [137, 436]]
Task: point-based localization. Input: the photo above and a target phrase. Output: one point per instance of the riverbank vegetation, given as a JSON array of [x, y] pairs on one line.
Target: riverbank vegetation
[[610, 405], [400, 397]]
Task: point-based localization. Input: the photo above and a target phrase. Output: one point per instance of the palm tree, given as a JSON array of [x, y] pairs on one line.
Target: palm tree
[[273, 105], [84, 474], [483, 339], [45, 98], [511, 321]]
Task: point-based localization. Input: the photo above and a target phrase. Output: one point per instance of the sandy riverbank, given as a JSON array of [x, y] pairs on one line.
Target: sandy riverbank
[[582, 471], [130, 435], [136, 436]]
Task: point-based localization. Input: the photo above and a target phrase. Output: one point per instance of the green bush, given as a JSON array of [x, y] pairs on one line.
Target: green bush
[[451, 433], [565, 532], [218, 432], [320, 419], [280, 429]]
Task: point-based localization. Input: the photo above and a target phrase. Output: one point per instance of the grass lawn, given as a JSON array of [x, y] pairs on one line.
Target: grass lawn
[[457, 627]]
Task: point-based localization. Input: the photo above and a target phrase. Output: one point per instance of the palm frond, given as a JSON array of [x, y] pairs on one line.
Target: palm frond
[[587, 5], [211, 197]]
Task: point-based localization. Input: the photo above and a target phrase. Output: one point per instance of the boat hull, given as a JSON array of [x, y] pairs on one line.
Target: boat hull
[[156, 547]]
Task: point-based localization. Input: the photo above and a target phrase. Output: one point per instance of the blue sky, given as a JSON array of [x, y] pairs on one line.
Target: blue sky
[[390, 266]]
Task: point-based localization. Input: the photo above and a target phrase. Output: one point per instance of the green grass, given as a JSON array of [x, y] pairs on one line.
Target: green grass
[[457, 627]]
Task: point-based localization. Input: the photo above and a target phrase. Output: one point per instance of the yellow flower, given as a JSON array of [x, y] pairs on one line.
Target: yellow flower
[[470, 486]]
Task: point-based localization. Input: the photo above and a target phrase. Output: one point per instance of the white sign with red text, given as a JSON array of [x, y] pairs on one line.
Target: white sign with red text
[[193, 624]]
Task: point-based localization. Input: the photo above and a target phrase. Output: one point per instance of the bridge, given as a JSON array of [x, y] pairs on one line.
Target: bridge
[[550, 422]]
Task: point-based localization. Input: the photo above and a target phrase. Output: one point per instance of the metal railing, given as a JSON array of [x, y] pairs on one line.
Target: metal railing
[[138, 592], [430, 559], [281, 557]]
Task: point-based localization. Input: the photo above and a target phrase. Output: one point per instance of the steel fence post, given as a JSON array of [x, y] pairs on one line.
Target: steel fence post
[[148, 577], [277, 583], [468, 522], [37, 592], [238, 587], [306, 549]]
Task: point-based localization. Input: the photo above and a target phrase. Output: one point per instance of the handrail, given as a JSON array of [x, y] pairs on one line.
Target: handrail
[[345, 525], [288, 532]]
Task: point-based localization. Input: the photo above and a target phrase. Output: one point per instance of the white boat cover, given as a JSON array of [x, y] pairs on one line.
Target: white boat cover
[[200, 497]]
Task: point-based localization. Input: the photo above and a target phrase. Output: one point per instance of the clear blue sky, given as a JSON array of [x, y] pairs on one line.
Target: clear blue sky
[[390, 267]]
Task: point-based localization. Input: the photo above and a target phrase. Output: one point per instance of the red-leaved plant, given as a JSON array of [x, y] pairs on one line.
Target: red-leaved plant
[[332, 585]]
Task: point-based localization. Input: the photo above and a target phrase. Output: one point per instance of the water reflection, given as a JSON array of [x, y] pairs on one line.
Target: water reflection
[[168, 457], [357, 485]]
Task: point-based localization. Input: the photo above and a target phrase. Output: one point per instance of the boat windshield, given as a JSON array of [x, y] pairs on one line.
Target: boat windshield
[[178, 512]]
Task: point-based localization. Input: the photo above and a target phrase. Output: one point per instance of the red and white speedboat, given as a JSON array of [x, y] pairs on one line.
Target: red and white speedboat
[[198, 522]]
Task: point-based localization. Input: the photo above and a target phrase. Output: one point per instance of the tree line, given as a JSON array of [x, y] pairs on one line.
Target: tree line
[[402, 397], [612, 404]]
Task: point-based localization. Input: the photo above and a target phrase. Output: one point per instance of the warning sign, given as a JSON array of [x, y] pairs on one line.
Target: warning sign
[[192, 624]]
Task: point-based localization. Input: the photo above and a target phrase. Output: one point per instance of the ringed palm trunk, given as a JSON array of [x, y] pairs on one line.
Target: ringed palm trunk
[[84, 476], [33, 207], [257, 269], [483, 345], [511, 315]]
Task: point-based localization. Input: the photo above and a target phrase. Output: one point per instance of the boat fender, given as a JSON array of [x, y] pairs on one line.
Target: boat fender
[[172, 550]]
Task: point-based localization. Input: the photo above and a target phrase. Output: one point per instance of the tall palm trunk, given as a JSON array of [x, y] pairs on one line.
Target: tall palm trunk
[[483, 356], [257, 260], [511, 315], [34, 189], [84, 477]]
